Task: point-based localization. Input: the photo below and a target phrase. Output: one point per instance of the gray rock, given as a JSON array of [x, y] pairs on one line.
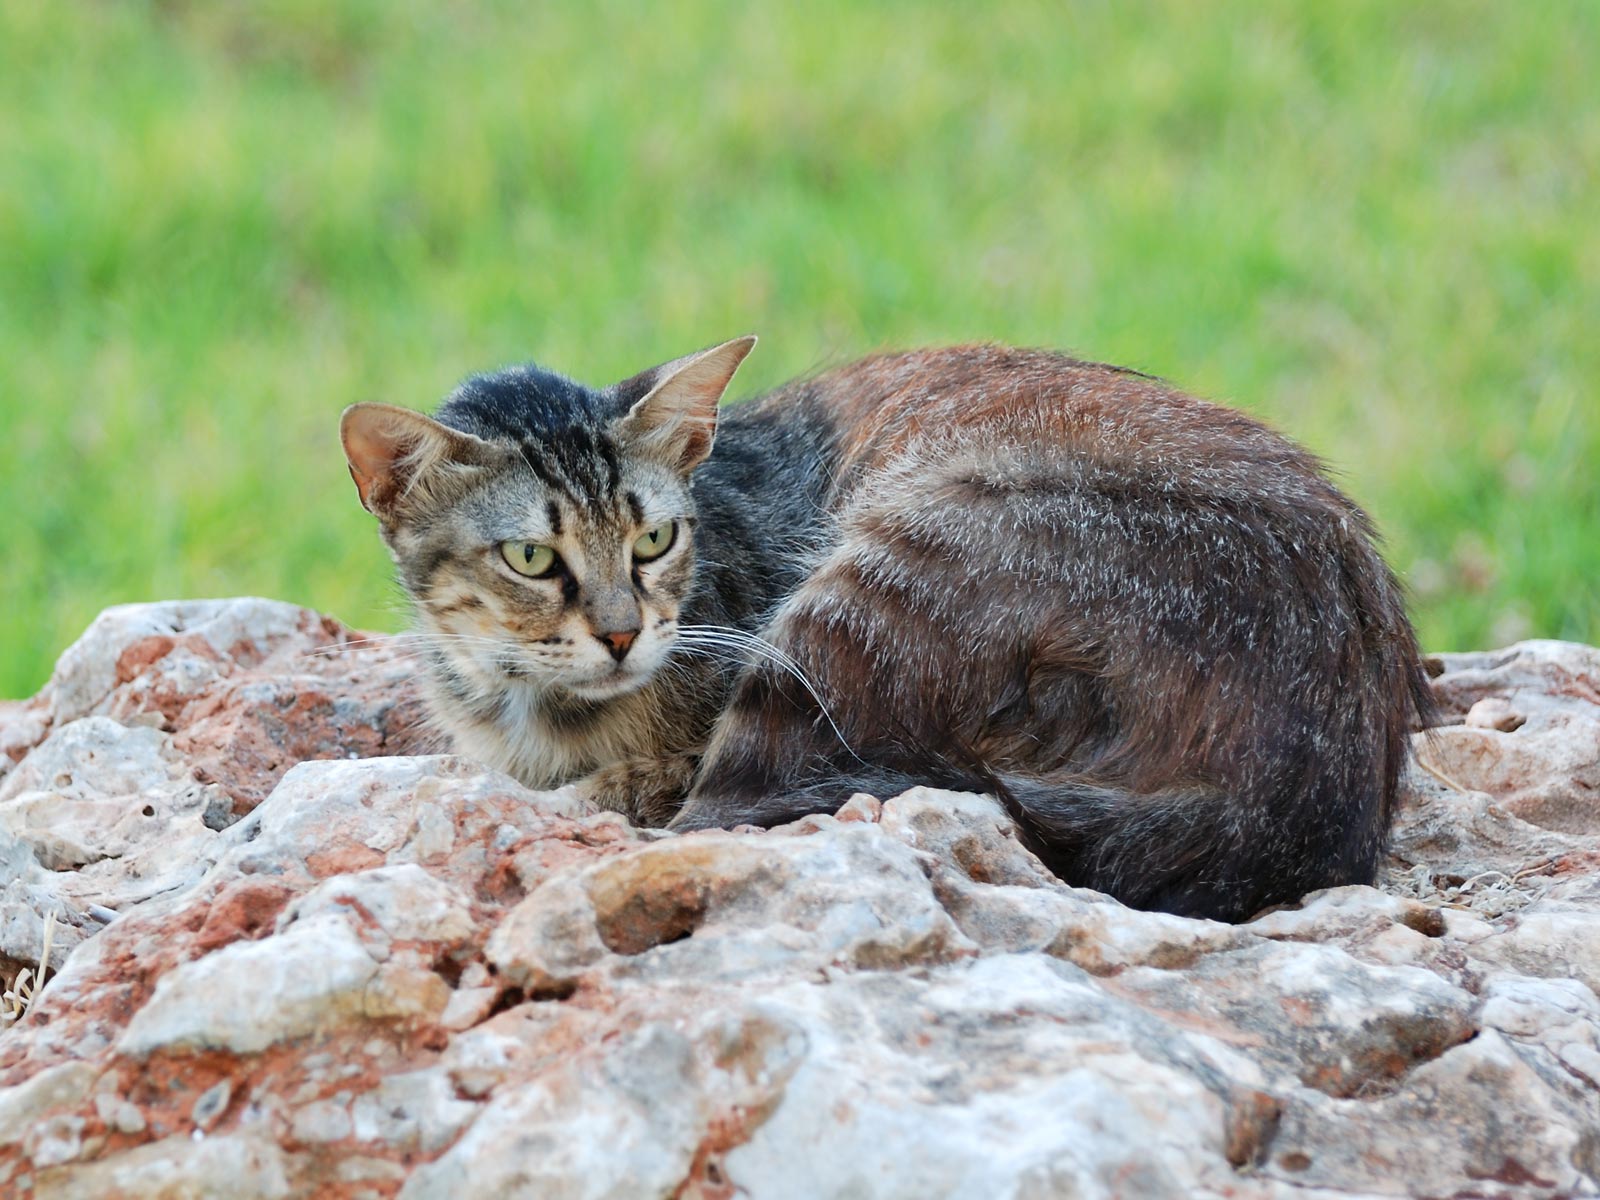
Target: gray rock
[[178, 1167], [411, 975]]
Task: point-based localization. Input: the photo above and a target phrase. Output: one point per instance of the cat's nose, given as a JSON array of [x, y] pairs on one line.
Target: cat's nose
[[619, 643]]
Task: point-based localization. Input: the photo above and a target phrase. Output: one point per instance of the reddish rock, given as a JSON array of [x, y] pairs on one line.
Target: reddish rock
[[386, 975]]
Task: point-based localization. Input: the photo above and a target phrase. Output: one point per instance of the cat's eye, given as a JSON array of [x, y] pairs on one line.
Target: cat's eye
[[529, 558], [655, 543]]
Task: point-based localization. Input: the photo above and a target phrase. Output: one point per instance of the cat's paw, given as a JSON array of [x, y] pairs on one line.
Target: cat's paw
[[572, 793], [646, 791], [604, 791]]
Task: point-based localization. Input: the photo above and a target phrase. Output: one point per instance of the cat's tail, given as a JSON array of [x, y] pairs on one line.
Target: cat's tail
[[1149, 851], [1162, 851]]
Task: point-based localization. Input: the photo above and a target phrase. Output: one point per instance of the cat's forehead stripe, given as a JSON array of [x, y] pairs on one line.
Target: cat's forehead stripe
[[583, 466], [541, 467], [575, 521], [606, 448]]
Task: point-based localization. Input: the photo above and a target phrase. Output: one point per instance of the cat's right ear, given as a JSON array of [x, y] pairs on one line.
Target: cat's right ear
[[675, 419], [392, 451]]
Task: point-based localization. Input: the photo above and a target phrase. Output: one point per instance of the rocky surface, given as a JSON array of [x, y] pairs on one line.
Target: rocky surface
[[381, 976]]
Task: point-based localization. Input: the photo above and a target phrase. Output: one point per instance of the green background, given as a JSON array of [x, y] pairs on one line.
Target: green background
[[1377, 225]]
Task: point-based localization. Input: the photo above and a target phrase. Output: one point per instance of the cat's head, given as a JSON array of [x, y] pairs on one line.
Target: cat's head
[[545, 530]]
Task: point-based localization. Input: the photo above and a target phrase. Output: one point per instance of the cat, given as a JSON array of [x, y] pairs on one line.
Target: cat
[[1149, 625]]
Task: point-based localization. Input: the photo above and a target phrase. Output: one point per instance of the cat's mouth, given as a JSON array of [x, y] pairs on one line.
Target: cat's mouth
[[618, 682], [600, 682]]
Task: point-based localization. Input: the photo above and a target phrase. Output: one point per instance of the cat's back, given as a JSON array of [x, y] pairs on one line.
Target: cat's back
[[1042, 420], [1026, 506]]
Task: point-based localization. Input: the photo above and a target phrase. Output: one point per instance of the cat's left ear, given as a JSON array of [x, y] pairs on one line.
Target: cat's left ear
[[676, 419], [397, 456]]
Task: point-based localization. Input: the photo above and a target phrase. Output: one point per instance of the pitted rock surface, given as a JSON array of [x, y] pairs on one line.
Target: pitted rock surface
[[297, 968]]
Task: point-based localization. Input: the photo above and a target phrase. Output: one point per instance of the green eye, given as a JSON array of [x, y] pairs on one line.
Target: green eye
[[529, 558], [655, 543]]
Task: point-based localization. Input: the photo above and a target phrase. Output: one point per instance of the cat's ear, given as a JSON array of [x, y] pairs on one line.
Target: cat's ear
[[675, 420], [394, 451]]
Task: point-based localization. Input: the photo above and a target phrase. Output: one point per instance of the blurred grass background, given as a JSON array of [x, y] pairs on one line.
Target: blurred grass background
[[1376, 224]]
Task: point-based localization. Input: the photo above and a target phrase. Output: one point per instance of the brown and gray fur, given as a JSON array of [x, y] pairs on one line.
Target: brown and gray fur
[[1148, 624]]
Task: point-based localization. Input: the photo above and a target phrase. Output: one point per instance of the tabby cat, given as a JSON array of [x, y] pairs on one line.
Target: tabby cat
[[1149, 625]]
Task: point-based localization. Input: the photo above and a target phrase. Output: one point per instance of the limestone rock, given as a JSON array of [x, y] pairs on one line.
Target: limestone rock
[[411, 976], [1529, 731]]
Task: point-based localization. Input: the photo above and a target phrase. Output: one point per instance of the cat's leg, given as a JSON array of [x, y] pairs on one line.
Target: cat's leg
[[648, 791], [856, 694]]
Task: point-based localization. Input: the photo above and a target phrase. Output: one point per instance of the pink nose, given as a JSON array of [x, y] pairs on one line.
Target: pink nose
[[619, 643]]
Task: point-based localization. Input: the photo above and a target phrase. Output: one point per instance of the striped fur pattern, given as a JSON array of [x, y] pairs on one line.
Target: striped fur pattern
[[1148, 624]]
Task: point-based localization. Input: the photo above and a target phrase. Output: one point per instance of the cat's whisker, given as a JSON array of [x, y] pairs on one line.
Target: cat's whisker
[[800, 678], [674, 669], [408, 643], [404, 640], [416, 635], [704, 638], [757, 646], [741, 638], [736, 654]]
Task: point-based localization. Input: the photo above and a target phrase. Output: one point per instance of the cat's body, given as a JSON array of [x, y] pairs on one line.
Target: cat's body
[[1146, 623]]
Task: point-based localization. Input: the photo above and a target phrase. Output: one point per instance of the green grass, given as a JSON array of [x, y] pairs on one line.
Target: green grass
[[1376, 224]]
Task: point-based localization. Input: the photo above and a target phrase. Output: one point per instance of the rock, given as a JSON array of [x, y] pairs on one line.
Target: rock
[[160, 727], [177, 1167], [23, 725], [411, 976], [1495, 712], [1528, 731], [244, 688], [725, 906], [22, 1106]]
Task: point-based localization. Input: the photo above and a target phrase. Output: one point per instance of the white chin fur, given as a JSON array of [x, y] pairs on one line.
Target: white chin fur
[[608, 689]]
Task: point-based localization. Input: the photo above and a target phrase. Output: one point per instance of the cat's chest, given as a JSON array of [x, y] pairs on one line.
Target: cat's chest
[[518, 736]]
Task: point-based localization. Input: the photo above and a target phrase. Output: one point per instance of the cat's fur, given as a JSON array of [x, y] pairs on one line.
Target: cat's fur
[[1146, 623]]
